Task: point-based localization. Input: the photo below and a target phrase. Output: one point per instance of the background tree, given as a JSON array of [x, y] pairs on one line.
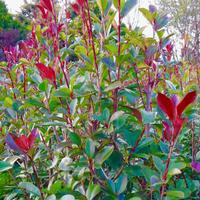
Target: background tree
[[27, 11], [12, 28], [8, 21], [185, 22]]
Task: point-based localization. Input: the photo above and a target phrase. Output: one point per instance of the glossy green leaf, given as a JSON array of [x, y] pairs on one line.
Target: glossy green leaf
[[73, 104], [4, 166], [113, 86], [67, 197], [65, 164], [30, 188], [92, 191], [103, 155], [159, 164], [62, 92], [90, 148], [75, 138], [43, 86], [121, 184], [116, 115], [175, 194], [147, 116], [147, 14]]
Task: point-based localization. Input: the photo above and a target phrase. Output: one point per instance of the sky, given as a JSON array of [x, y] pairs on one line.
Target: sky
[[14, 7]]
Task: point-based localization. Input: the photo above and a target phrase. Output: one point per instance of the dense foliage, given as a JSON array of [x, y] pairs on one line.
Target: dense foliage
[[90, 109]]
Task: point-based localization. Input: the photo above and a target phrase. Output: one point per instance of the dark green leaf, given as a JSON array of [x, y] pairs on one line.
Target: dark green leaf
[[90, 148], [4, 166], [30, 188], [75, 138]]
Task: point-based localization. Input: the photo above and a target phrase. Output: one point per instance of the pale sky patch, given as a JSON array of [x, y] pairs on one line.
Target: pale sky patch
[[14, 5], [134, 17]]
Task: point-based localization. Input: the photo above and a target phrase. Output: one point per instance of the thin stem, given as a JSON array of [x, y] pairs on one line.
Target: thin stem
[[86, 24], [119, 172], [119, 36], [136, 144], [24, 71], [137, 80], [48, 149], [197, 72], [37, 178], [92, 39], [193, 142], [186, 184], [56, 25], [115, 92], [148, 92], [151, 194], [92, 171], [12, 83], [164, 178], [63, 71]]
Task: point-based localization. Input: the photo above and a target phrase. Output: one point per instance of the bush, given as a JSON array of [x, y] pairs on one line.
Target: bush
[[90, 109]]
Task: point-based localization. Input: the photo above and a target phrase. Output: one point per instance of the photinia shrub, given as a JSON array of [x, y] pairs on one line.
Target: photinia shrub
[[89, 108]]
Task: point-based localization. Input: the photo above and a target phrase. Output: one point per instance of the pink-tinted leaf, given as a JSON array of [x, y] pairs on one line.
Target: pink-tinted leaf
[[178, 124], [46, 72], [23, 143], [43, 11], [68, 15], [187, 100], [10, 141], [81, 2], [167, 131], [47, 4], [175, 100], [166, 105], [169, 47], [23, 47], [32, 137], [196, 166], [60, 26], [75, 8]]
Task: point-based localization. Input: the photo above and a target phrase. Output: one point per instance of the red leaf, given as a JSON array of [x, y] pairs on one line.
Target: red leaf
[[81, 2], [43, 11], [47, 4], [178, 124], [23, 143], [166, 105], [23, 48], [169, 47], [68, 15], [75, 8], [187, 100], [59, 29], [167, 131], [46, 72]]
